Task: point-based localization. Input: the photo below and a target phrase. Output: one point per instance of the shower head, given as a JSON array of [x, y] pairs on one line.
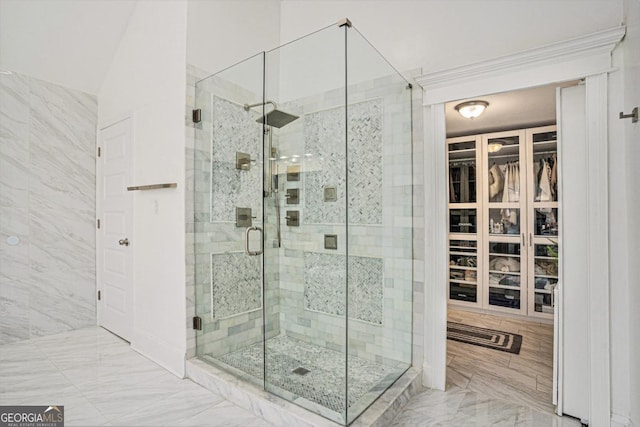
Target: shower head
[[275, 118]]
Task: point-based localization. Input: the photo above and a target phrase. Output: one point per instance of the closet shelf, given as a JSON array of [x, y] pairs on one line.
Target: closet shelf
[[515, 273], [464, 282]]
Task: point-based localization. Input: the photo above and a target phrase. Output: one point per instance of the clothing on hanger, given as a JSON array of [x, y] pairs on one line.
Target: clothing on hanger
[[545, 184]]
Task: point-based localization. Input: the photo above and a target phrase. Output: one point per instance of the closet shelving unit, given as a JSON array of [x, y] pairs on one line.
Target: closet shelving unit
[[502, 228]]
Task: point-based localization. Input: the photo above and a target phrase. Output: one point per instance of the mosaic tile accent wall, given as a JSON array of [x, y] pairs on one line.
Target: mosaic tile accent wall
[[324, 141], [47, 201], [234, 130], [325, 285], [236, 284]]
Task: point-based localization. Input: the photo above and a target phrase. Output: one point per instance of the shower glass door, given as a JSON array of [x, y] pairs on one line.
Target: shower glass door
[[305, 349], [228, 217]]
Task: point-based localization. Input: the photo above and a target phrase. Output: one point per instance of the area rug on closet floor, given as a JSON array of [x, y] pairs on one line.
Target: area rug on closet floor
[[489, 338]]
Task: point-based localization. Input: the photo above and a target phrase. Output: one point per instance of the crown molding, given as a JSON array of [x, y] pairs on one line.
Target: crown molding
[[566, 60]]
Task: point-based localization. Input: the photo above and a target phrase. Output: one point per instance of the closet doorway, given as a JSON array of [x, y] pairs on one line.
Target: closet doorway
[[503, 228]]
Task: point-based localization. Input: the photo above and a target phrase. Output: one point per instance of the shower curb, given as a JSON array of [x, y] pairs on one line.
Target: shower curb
[[280, 412]]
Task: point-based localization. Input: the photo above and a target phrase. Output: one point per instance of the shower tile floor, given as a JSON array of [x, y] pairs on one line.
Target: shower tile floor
[[314, 373]]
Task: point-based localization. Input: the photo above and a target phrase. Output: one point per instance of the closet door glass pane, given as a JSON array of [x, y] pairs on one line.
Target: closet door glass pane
[[546, 221], [545, 276], [462, 172], [463, 270], [545, 172], [504, 274], [504, 169], [504, 221], [463, 221]]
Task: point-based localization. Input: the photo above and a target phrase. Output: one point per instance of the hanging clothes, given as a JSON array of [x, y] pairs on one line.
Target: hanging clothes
[[464, 184], [511, 193], [554, 178], [452, 191], [536, 177], [545, 183], [496, 181], [514, 182]]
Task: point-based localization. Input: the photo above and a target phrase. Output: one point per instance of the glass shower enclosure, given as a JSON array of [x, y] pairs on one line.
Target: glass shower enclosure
[[303, 221]]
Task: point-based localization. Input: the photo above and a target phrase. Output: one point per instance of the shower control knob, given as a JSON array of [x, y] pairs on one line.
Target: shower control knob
[[124, 242]]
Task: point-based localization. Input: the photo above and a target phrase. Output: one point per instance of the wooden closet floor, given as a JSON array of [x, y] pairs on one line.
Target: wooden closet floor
[[525, 378]]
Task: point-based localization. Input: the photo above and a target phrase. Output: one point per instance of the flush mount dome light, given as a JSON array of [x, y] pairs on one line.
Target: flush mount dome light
[[471, 109], [495, 146]]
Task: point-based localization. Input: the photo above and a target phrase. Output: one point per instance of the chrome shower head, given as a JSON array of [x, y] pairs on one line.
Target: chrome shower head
[[275, 118]]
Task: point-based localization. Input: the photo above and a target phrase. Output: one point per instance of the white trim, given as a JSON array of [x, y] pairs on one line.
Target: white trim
[[435, 296], [598, 251], [577, 58], [562, 61]]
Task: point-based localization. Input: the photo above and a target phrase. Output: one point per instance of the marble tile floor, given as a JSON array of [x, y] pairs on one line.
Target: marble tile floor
[[487, 387], [102, 382]]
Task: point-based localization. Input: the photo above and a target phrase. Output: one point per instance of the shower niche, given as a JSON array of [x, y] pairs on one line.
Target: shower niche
[[312, 300]]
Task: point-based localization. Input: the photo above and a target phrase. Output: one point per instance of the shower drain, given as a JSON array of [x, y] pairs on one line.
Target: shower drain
[[301, 371]]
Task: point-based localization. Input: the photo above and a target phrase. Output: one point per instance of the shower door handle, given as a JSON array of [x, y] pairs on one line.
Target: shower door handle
[[246, 241]]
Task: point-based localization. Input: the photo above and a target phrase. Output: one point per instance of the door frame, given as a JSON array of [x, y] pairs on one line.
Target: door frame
[[99, 240], [587, 57]]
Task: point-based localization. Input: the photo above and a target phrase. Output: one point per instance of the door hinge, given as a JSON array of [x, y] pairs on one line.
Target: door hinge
[[99, 296], [196, 115], [98, 223], [197, 323], [99, 151]]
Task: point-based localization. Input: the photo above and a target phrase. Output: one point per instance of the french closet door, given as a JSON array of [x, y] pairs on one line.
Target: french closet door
[[505, 221]]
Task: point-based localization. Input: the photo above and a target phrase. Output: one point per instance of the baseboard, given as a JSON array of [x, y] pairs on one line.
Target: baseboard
[[618, 420], [159, 352]]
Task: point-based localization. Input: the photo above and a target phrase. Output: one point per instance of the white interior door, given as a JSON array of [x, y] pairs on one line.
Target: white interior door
[[571, 349], [115, 215]]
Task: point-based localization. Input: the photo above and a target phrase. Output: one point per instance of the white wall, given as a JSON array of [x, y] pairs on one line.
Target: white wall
[[222, 33], [631, 142], [70, 43], [147, 79], [436, 35]]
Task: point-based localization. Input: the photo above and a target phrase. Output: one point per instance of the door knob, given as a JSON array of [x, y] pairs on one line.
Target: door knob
[[124, 242]]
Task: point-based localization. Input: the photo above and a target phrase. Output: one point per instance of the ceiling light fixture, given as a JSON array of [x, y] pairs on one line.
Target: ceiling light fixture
[[494, 146], [471, 109]]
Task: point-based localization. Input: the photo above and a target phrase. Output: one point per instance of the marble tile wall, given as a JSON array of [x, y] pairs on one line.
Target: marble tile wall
[[380, 216], [47, 208]]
